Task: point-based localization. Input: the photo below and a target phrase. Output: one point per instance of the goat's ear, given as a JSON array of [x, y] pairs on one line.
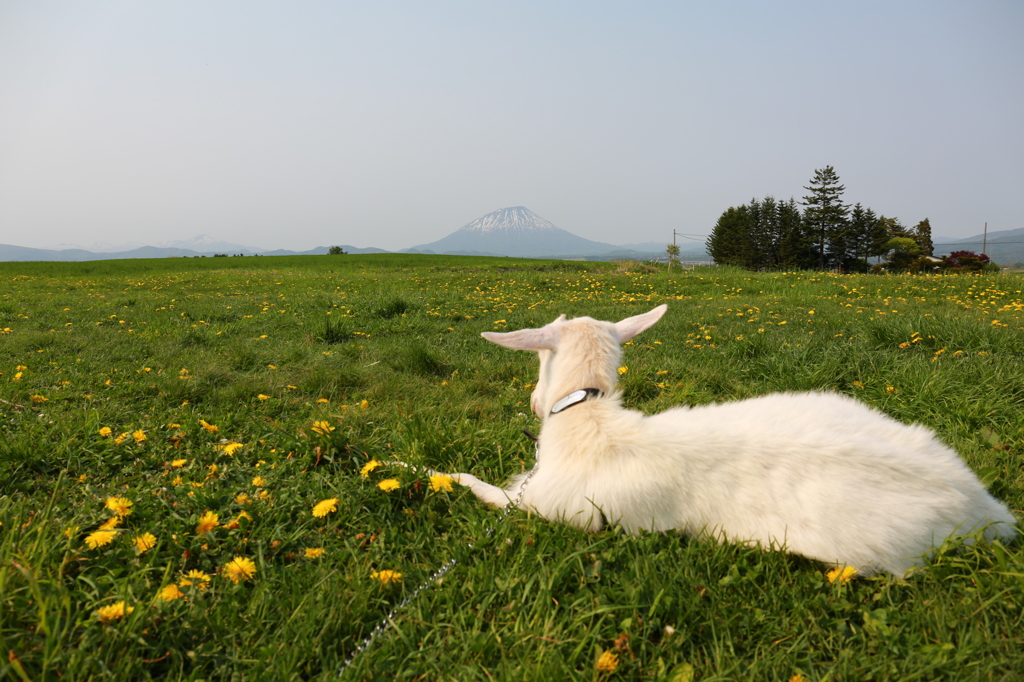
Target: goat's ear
[[545, 338], [631, 326]]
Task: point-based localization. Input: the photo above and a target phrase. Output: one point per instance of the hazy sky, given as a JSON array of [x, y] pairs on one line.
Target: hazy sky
[[391, 124]]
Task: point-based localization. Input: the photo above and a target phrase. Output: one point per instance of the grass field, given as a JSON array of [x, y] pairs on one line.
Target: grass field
[[172, 434]]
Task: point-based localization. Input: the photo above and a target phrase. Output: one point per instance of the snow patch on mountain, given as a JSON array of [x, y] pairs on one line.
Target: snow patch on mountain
[[517, 219]]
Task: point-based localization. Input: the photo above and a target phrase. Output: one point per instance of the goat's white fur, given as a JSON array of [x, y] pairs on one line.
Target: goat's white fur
[[821, 474]]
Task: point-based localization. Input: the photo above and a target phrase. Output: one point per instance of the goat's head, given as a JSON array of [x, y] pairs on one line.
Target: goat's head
[[574, 354]]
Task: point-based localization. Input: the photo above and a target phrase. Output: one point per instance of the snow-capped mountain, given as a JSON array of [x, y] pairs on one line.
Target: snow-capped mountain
[[515, 219], [515, 231]]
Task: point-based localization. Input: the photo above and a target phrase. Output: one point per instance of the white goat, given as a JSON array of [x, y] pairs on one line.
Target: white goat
[[821, 474]]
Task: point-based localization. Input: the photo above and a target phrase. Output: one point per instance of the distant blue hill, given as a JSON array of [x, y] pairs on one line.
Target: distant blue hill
[[9, 252]]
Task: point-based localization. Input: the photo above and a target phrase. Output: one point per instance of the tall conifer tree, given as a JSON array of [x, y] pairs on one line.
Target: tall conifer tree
[[825, 216], [923, 237], [728, 243], [796, 246], [880, 236]]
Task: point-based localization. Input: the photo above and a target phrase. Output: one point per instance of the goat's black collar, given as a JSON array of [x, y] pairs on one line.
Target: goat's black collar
[[575, 398]]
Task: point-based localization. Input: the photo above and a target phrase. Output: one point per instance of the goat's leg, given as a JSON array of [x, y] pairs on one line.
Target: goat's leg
[[491, 494]]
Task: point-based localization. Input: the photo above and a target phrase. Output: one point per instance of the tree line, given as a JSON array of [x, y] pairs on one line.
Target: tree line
[[770, 234]]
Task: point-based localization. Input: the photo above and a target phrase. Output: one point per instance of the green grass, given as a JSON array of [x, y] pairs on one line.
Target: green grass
[[386, 350]]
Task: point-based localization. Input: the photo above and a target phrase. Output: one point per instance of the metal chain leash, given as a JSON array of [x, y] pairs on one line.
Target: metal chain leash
[[389, 620]]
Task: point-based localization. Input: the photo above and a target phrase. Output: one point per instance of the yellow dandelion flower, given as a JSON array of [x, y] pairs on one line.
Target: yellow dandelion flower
[[207, 522], [231, 448], [387, 576], [105, 431], [194, 577], [119, 505], [177, 481], [325, 507], [608, 662], [81, 479], [891, 389], [368, 467], [237, 521], [239, 569], [259, 481], [116, 611], [139, 436], [322, 427], [178, 463], [144, 542], [323, 401], [120, 439], [242, 498], [210, 428], [38, 399], [112, 522], [364, 404], [389, 484], [841, 575], [263, 397], [100, 538], [313, 552], [798, 678], [622, 370], [439, 482], [171, 592]]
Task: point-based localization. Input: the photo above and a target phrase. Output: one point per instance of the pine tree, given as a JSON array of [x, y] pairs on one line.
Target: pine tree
[[894, 228], [862, 233], [796, 247], [880, 237], [728, 242], [768, 228], [759, 237], [923, 237], [825, 216]]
